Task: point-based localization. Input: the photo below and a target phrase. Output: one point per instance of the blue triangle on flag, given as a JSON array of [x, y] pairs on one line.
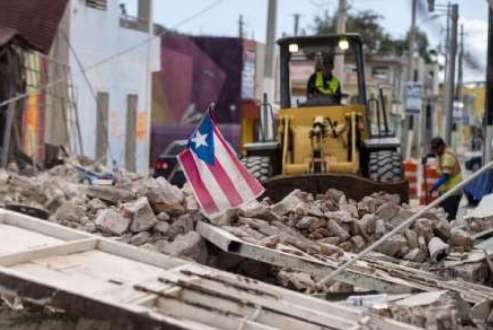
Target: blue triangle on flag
[[202, 141]]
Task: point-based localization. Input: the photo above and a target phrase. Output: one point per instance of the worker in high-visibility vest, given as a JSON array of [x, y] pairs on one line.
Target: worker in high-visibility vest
[[322, 82], [449, 170]]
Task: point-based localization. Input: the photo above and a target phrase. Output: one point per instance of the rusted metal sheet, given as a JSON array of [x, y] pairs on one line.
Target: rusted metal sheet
[[99, 279]]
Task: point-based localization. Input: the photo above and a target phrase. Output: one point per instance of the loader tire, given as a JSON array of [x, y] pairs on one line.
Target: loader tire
[[385, 166], [260, 167]]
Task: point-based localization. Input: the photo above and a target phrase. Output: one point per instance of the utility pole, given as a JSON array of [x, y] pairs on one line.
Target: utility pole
[[488, 115], [410, 119], [412, 42], [460, 74], [340, 29], [268, 83], [296, 23], [241, 25], [450, 88]]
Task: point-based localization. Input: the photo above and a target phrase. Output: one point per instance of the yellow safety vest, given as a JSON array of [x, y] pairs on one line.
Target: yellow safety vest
[[320, 85], [449, 164]]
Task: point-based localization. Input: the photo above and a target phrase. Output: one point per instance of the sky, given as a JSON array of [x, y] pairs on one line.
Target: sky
[[222, 19]]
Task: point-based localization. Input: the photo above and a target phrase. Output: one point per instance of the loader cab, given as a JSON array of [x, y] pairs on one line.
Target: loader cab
[[299, 59]]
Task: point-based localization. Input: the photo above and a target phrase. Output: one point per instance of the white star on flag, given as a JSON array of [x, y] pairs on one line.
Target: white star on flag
[[199, 140]]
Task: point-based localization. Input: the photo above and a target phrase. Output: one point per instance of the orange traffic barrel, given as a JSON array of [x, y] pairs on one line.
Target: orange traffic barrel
[[431, 174], [411, 174]]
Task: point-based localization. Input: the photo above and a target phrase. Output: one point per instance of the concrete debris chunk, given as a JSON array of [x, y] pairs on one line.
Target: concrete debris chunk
[[461, 239], [190, 245], [295, 199], [387, 211], [140, 238], [111, 222], [110, 194], [392, 245], [141, 213], [164, 197], [437, 249], [161, 228]]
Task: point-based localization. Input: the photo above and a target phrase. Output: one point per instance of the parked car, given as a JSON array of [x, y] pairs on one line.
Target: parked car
[[167, 165]]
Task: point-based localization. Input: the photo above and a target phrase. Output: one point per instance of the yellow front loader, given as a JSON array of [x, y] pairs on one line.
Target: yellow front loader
[[318, 142]]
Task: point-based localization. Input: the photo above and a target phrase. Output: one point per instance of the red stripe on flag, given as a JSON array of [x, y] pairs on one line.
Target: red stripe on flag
[[225, 183], [193, 176], [254, 185]]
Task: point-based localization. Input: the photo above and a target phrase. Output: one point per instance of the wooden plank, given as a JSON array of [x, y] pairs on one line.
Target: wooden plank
[[50, 251]]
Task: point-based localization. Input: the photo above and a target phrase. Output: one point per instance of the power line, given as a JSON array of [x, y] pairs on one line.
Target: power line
[[63, 80]]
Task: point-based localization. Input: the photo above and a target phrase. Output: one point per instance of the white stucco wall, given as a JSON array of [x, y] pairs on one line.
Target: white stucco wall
[[96, 35]]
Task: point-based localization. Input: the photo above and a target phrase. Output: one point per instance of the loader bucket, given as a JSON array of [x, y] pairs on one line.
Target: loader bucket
[[354, 186]]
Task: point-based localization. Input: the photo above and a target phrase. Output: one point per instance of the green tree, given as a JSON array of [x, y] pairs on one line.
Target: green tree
[[375, 38]]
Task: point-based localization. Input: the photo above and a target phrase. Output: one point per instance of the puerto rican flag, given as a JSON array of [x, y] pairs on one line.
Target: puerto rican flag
[[218, 179]]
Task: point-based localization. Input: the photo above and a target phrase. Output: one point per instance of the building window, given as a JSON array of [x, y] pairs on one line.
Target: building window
[[98, 4]]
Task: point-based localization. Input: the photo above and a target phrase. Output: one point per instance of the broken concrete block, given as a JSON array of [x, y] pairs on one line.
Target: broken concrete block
[[437, 249], [380, 228], [460, 238], [191, 203], [387, 211], [416, 255], [112, 222], [330, 240], [412, 238], [337, 230], [347, 246], [351, 209], [141, 214], [190, 245], [289, 203], [368, 223], [258, 210], [319, 223], [334, 195], [140, 238], [161, 227], [70, 212], [424, 227], [296, 280], [392, 245], [271, 241], [163, 216], [358, 242], [110, 194], [442, 229], [330, 250], [305, 222], [96, 205], [319, 233], [164, 197], [401, 216], [182, 225]]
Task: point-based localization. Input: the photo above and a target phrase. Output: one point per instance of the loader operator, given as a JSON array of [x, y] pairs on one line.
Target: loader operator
[[449, 170], [322, 82]]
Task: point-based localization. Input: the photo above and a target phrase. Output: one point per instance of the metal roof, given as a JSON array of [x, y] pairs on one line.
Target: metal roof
[[36, 20], [8, 34]]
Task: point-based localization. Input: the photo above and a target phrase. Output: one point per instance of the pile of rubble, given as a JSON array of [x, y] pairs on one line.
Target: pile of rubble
[[331, 225], [138, 210]]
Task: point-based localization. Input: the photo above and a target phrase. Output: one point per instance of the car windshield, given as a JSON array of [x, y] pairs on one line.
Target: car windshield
[[304, 62]]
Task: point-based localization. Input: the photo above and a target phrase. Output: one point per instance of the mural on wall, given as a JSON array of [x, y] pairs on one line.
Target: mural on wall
[[34, 106], [195, 72]]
